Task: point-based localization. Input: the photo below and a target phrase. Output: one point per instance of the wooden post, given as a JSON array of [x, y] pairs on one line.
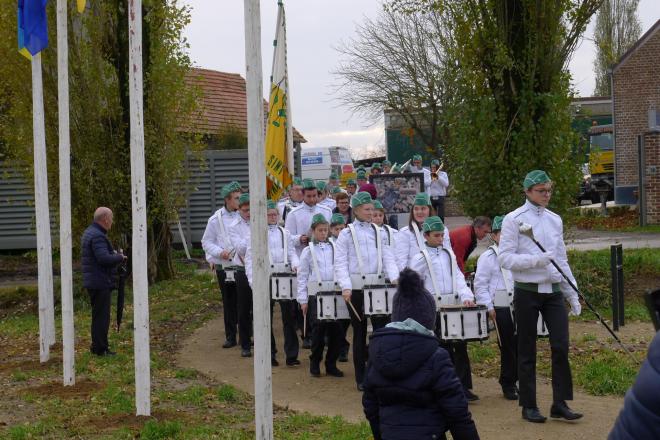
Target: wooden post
[[66, 258], [263, 388], [44, 256], [139, 203]]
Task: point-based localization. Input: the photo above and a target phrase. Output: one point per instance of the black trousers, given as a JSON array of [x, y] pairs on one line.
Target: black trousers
[[244, 294], [300, 322], [291, 347], [508, 348], [459, 356], [345, 345], [322, 330], [100, 300], [438, 203], [229, 305], [528, 305], [360, 333]]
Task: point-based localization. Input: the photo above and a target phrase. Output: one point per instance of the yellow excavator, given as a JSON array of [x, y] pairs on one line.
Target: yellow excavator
[[600, 173]]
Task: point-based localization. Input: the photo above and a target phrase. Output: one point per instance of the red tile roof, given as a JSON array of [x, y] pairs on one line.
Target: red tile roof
[[223, 101]]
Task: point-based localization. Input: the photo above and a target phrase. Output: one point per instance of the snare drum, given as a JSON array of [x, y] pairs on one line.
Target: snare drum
[[458, 323], [446, 300], [230, 274], [503, 298], [283, 286], [358, 282], [377, 300], [330, 306]]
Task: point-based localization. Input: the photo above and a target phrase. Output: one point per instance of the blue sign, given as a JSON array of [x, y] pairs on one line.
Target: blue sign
[[313, 160]]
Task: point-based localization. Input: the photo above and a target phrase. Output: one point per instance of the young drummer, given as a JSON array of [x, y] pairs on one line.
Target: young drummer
[[317, 264], [295, 199], [299, 219], [378, 219], [281, 251], [357, 253], [492, 279], [337, 224], [324, 196], [437, 266]]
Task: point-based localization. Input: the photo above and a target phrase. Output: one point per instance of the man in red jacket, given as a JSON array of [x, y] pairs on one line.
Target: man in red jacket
[[464, 239]]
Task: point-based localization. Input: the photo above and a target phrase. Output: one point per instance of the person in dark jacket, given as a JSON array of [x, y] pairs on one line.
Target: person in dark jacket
[[99, 263], [411, 390], [640, 416]]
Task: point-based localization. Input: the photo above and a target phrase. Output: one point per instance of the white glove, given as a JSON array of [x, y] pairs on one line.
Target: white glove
[[576, 307], [544, 259]]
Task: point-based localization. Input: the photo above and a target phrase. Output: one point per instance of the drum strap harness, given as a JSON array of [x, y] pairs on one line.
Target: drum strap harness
[[452, 264], [285, 248], [223, 231], [388, 228], [503, 270], [315, 264], [418, 236], [351, 227]]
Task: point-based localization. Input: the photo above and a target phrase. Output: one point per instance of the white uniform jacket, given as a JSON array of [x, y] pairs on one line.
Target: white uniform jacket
[[427, 176], [275, 250], [489, 278], [214, 242], [439, 187], [286, 205], [447, 274], [389, 235], [239, 231], [329, 203], [299, 221], [325, 261], [407, 245], [520, 254], [346, 262]]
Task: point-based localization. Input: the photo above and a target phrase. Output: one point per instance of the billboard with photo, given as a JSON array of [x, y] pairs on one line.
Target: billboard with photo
[[397, 191]]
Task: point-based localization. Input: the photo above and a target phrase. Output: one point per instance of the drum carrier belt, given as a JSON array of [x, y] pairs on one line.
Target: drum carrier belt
[[356, 244]]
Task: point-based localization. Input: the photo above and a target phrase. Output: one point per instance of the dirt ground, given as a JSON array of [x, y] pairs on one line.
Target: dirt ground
[[496, 418]]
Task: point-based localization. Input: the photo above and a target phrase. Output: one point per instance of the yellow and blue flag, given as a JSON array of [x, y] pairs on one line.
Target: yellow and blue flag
[[279, 131], [32, 27]]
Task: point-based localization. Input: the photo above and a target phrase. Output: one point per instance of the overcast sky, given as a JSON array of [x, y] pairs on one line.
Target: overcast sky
[[314, 27]]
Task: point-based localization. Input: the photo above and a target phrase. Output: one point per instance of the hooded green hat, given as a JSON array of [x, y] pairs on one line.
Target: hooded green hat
[[361, 175], [318, 219], [417, 157], [230, 188], [433, 224], [337, 219], [336, 190], [333, 176], [351, 182], [243, 199], [387, 163], [497, 223], [378, 205], [361, 198], [375, 165], [270, 204], [534, 178], [308, 184], [321, 185], [422, 199], [297, 181], [435, 162]]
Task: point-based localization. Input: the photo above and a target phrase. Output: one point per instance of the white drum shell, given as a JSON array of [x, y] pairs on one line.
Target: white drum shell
[[283, 286], [463, 323], [377, 300], [314, 287], [331, 306], [230, 274], [446, 300], [371, 279]]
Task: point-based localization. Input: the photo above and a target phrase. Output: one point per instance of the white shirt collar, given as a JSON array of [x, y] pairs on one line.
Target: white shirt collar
[[538, 210]]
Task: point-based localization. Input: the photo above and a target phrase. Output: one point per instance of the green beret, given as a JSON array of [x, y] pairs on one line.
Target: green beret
[[534, 178], [334, 176], [361, 198], [417, 157], [321, 185], [433, 224], [351, 182], [378, 205], [435, 162], [308, 184], [387, 163], [361, 175], [375, 165], [422, 199], [243, 199], [497, 223], [318, 219], [297, 181], [336, 190], [271, 204], [337, 219]]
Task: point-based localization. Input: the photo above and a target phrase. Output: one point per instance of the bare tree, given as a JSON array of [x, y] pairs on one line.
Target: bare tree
[[398, 62], [617, 29]]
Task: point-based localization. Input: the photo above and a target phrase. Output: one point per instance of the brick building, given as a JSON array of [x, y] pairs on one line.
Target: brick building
[[636, 96]]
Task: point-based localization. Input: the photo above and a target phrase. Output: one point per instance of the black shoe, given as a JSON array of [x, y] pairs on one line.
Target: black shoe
[[510, 393], [360, 387], [533, 415], [307, 343], [229, 344], [335, 372], [315, 369], [292, 362], [109, 352], [560, 410], [246, 353], [470, 396], [343, 357], [274, 363]]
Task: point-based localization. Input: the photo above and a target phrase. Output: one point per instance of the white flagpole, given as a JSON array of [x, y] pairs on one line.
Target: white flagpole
[[139, 203], [44, 257], [263, 388], [66, 270]]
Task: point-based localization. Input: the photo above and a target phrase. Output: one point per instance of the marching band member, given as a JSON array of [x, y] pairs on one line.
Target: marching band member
[[538, 287], [378, 219], [343, 207], [218, 247], [351, 187], [387, 166], [438, 268], [279, 242], [361, 177], [375, 168], [357, 253], [489, 279], [464, 239], [317, 263], [438, 188], [299, 219], [409, 240], [324, 198], [239, 232], [337, 224], [333, 181], [295, 199], [417, 167]]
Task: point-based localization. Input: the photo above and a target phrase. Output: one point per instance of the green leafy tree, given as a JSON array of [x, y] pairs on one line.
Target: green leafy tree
[[617, 29], [100, 148]]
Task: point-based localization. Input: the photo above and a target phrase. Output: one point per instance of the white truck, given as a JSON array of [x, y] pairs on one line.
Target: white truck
[[318, 162]]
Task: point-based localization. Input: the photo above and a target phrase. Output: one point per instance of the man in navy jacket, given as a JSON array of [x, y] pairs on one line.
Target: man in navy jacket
[[99, 263]]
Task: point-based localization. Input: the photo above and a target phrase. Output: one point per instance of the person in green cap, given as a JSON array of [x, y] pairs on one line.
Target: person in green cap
[[283, 258], [324, 199], [351, 187], [376, 168], [417, 167], [492, 283], [361, 178], [295, 199], [333, 181], [387, 166], [379, 219], [438, 188], [218, 249], [437, 266], [337, 224], [361, 259], [317, 264], [410, 240], [539, 288]]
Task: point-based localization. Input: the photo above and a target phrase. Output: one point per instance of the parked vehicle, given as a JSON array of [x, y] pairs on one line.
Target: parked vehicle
[[601, 164], [319, 162]]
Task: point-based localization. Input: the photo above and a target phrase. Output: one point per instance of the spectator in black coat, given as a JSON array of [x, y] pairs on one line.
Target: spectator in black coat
[[99, 263], [640, 416], [411, 390]]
